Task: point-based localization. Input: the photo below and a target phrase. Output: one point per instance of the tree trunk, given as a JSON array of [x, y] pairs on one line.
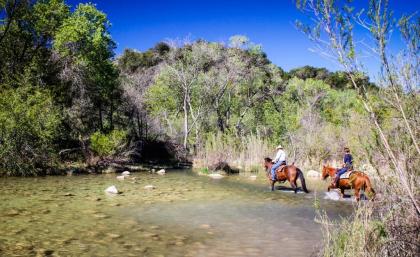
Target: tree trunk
[[185, 108], [101, 124], [110, 117]]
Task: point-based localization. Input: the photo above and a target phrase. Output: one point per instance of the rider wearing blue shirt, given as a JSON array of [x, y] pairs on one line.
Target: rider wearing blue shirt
[[348, 164]]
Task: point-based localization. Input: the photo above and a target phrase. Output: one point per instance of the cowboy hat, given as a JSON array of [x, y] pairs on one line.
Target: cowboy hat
[[279, 147]]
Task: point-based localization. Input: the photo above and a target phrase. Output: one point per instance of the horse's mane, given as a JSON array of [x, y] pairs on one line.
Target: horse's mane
[[268, 159]]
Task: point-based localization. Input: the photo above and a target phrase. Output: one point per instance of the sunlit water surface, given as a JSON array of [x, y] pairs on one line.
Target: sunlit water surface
[[185, 215]]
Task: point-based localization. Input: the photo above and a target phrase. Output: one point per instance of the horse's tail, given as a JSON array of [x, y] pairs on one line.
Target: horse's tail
[[369, 188], [302, 180]]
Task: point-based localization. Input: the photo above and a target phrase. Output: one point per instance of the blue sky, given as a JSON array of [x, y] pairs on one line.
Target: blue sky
[[140, 24]]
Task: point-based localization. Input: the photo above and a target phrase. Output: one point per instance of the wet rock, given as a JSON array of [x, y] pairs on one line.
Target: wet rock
[[12, 213], [223, 166], [149, 187], [313, 174], [112, 190], [100, 216], [23, 246], [216, 176], [68, 194], [152, 236], [44, 252], [45, 211], [179, 243], [205, 226], [113, 236], [120, 177], [161, 172], [125, 173]]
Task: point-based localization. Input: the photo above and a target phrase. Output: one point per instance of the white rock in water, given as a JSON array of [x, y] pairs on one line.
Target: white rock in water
[[332, 195], [216, 176], [253, 177], [125, 173], [112, 190], [149, 187], [120, 177], [161, 172], [313, 174]]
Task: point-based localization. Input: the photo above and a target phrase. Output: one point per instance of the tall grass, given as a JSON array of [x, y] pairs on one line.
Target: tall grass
[[389, 226], [243, 153]]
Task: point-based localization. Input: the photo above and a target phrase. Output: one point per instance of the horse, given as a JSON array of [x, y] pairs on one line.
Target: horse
[[357, 181], [288, 172]]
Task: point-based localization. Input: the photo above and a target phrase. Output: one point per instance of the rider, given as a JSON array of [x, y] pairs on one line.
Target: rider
[[279, 160], [347, 165]]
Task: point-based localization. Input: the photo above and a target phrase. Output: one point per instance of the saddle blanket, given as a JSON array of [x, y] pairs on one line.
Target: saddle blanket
[[346, 175]]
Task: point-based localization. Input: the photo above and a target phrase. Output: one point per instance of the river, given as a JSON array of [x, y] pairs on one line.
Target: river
[[184, 215]]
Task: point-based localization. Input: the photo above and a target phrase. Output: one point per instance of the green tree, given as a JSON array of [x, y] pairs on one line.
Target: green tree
[[29, 123], [86, 48]]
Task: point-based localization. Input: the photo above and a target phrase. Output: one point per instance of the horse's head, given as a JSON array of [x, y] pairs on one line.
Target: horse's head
[[267, 163], [328, 171], [325, 172]]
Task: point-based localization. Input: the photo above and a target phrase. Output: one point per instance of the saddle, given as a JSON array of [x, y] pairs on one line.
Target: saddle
[[280, 172], [346, 174], [281, 168]]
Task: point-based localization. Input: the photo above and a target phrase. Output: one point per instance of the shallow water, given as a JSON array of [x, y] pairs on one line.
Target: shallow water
[[185, 215]]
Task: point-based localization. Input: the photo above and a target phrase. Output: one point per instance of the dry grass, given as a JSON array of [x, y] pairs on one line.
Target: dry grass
[[386, 227], [246, 154]]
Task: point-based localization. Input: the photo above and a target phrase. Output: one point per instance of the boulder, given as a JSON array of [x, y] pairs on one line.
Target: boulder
[[148, 187], [120, 177], [223, 166], [111, 190], [216, 176], [126, 173], [161, 172], [313, 174]]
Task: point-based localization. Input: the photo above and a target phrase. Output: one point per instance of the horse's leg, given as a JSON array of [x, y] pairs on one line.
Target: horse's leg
[[342, 192], [357, 194], [272, 185], [294, 186]]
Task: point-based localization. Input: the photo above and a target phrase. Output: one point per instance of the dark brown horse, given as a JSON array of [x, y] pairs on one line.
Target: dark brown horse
[[289, 172], [357, 181]]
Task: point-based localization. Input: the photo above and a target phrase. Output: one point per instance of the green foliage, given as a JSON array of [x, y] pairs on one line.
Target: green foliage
[[204, 170], [107, 144], [28, 125], [85, 35]]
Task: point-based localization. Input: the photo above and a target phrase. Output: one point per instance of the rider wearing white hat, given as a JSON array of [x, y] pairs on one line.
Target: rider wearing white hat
[[278, 161]]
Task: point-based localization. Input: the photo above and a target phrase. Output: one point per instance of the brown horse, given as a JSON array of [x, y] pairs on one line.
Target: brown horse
[[289, 172], [357, 181]]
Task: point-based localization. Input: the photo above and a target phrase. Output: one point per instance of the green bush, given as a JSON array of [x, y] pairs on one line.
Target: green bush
[[28, 126], [107, 144]]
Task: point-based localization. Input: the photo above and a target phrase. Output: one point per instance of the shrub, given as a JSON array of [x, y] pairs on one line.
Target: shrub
[[107, 144], [28, 125]]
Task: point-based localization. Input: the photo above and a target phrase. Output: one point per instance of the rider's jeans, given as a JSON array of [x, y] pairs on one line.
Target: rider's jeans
[[273, 170], [341, 171]]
